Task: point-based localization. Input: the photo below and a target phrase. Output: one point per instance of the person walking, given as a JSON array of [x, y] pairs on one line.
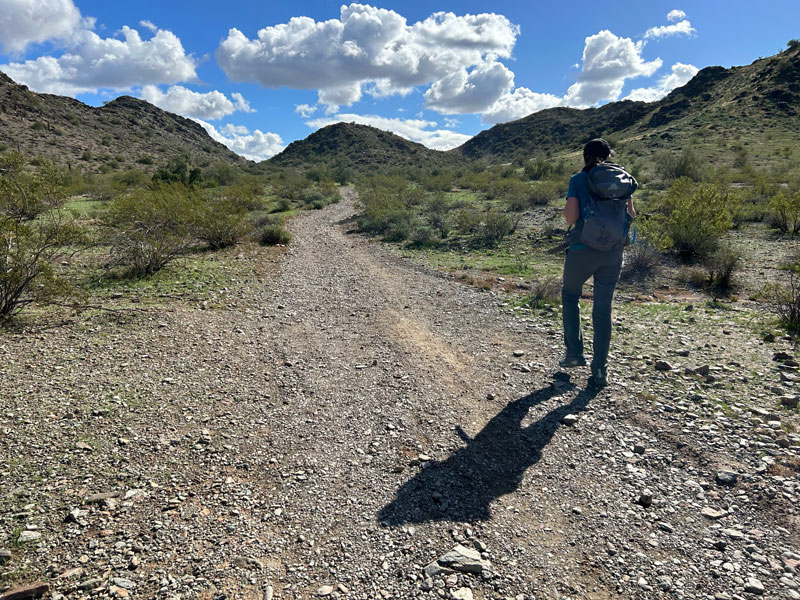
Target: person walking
[[582, 262]]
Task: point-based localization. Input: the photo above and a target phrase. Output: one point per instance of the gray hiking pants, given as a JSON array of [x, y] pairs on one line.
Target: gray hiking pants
[[579, 265]]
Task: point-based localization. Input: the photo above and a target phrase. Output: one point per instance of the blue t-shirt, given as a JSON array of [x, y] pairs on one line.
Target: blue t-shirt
[[579, 188]]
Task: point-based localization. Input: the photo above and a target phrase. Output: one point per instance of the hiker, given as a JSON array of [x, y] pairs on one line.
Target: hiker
[[582, 262]]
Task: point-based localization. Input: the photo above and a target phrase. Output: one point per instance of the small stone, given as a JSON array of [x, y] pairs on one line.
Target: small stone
[[662, 365], [426, 585], [726, 477], [24, 592], [712, 513], [124, 583], [518, 353], [461, 594], [25, 537], [463, 559], [325, 590], [666, 527], [5, 556], [569, 419], [790, 401], [645, 499], [753, 586], [90, 584], [74, 516], [638, 448]]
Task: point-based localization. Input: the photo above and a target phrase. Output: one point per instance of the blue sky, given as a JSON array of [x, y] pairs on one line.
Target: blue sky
[[259, 75]]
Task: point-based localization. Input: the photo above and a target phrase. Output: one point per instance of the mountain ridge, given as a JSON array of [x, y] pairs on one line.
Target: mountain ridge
[[123, 133]]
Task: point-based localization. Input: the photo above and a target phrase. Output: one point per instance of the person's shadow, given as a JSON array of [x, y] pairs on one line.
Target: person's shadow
[[462, 487]]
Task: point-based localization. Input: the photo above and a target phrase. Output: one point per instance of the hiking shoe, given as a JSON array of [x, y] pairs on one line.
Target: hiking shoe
[[572, 361], [598, 378]]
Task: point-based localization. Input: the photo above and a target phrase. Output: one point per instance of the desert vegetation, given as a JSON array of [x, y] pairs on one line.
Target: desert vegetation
[[65, 233]]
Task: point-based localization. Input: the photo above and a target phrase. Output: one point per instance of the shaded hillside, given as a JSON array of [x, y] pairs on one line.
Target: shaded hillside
[[754, 106], [360, 147], [124, 133]]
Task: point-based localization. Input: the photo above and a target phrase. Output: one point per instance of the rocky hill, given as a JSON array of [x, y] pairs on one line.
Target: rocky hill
[[360, 147], [126, 132], [754, 106]]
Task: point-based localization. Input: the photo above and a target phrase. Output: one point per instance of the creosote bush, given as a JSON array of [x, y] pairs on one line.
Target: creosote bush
[[545, 291], [35, 233], [149, 228], [784, 210], [783, 300], [697, 217]]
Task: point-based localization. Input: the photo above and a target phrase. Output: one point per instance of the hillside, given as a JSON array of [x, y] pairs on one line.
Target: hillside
[[753, 106], [360, 147], [126, 132]]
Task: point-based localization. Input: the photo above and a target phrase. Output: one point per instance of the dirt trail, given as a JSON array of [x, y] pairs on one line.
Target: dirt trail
[[344, 422]]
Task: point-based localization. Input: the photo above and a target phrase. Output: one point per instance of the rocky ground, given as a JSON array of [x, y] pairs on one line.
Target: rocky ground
[[347, 424]]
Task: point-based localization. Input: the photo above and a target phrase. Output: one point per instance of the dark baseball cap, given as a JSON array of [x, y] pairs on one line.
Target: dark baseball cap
[[597, 148]]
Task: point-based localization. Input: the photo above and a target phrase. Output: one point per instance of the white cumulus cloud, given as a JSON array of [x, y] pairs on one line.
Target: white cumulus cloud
[[93, 62], [207, 105], [470, 92], [416, 130], [519, 103], [680, 75], [680, 28], [675, 15], [305, 110], [372, 48], [24, 22], [608, 61], [256, 145]]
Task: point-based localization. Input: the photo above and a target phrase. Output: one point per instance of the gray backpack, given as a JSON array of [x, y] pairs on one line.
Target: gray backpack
[[605, 219]]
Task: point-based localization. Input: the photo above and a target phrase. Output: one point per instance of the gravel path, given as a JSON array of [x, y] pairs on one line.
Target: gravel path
[[348, 418]]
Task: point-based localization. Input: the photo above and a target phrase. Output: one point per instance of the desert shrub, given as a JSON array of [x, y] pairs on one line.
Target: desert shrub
[[670, 166], [546, 290], [149, 228], [494, 227], [28, 252], [132, 178], [385, 203], [220, 222], [698, 216], [219, 174], [783, 300], [290, 185], [467, 222], [273, 235], [342, 174], [424, 235], [178, 170], [25, 194], [720, 267], [784, 211], [313, 197], [539, 169], [145, 159], [437, 211], [642, 260]]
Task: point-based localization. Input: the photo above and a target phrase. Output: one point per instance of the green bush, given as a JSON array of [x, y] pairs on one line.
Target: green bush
[[24, 194], [494, 227], [642, 260], [721, 266], [275, 234], [423, 235], [685, 165], [784, 209], [698, 216], [149, 228], [783, 300], [28, 251], [220, 222], [545, 291]]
